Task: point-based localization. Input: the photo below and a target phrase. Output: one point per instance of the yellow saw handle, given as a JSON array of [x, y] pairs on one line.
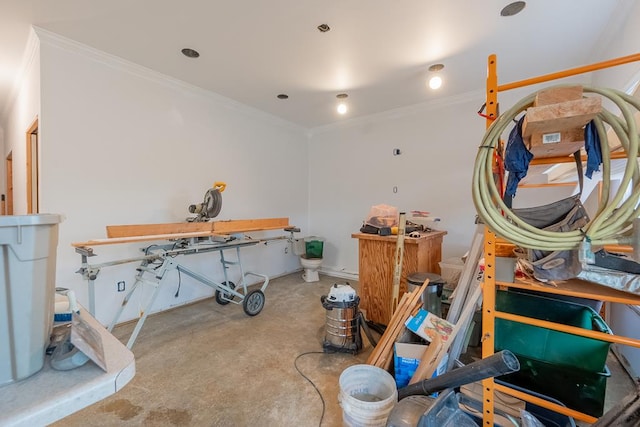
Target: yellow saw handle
[[220, 186]]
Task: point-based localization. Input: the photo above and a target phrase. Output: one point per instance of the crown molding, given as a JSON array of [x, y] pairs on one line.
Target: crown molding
[[401, 112], [52, 39]]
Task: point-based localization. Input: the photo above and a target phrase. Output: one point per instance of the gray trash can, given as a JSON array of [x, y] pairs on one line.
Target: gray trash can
[[431, 297], [28, 246]]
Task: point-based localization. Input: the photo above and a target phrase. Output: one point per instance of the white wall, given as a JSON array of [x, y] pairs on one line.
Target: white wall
[[124, 145], [622, 41], [352, 167], [18, 117]]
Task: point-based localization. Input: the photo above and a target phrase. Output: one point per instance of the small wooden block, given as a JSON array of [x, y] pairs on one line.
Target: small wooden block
[[557, 95], [562, 116]]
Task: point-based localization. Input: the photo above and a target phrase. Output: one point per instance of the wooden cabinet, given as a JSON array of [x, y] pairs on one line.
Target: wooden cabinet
[[377, 263]]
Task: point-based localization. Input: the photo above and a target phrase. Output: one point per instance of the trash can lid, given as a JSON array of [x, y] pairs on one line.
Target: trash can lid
[[419, 278], [31, 219]]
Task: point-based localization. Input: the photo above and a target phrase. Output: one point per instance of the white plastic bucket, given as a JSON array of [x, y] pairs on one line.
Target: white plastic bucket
[[367, 396]]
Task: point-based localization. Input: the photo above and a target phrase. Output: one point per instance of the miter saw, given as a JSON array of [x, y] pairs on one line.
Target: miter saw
[[210, 207]]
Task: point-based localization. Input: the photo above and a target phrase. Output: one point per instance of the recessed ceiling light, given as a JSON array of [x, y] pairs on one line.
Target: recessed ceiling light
[[190, 53], [323, 28], [283, 96], [513, 8], [435, 82], [342, 107]]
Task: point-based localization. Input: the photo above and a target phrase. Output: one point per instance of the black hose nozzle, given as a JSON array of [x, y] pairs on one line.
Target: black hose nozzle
[[501, 363]]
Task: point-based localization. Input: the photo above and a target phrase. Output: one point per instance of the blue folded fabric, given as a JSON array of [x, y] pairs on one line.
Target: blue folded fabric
[[516, 159], [593, 149]]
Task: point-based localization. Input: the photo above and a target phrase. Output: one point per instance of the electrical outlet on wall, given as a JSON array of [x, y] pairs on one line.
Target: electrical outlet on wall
[[121, 286]]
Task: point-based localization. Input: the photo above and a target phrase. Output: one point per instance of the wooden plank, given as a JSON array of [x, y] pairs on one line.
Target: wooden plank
[[173, 231], [411, 310], [461, 326], [504, 248], [134, 239], [382, 354], [383, 342], [612, 136], [562, 116], [393, 330], [155, 229], [557, 95], [426, 368], [217, 227], [240, 225]]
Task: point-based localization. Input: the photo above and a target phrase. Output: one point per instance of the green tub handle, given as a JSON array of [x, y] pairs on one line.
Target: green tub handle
[[600, 324]]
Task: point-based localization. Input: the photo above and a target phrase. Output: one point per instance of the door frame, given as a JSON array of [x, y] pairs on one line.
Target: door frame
[[9, 184], [33, 180]]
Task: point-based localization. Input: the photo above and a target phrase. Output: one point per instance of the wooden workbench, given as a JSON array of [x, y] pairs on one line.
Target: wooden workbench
[[376, 266]]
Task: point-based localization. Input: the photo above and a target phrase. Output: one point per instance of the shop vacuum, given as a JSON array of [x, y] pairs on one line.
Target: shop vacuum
[[344, 320]]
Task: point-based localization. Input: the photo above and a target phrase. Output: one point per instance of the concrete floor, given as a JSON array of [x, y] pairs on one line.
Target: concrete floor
[[212, 365]]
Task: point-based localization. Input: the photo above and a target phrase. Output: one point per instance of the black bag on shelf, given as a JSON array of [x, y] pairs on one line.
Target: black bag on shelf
[[564, 215]]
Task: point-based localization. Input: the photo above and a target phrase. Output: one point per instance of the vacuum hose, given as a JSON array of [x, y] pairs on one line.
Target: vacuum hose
[[503, 362], [613, 223]]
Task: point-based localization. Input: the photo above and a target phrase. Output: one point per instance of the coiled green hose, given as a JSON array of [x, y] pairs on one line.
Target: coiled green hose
[[613, 222]]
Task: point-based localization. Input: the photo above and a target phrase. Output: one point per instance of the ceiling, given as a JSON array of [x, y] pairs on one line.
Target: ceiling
[[376, 51]]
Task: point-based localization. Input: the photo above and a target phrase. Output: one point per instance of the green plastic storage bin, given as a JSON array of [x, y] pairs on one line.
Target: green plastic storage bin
[[546, 345], [313, 247], [577, 389]]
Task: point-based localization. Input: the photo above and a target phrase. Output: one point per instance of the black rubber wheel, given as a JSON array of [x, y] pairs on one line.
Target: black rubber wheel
[[253, 302], [224, 298]]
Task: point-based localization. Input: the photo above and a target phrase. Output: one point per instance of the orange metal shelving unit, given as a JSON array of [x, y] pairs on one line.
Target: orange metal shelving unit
[[575, 288]]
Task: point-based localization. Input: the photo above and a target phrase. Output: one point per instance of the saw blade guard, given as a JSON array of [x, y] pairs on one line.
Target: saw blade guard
[[212, 204]]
